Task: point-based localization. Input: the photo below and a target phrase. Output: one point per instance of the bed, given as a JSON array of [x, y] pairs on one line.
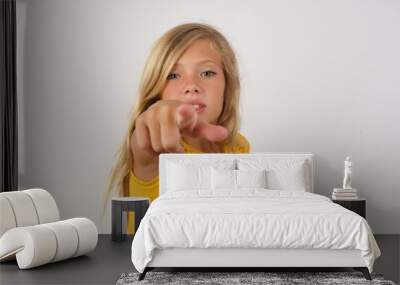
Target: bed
[[241, 211]]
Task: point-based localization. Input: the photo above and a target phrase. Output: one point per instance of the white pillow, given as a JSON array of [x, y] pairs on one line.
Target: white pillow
[[229, 179], [186, 174], [251, 178], [282, 174], [287, 179], [182, 177], [223, 179]]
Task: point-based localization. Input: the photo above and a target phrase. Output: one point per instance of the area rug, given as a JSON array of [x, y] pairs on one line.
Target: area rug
[[270, 278]]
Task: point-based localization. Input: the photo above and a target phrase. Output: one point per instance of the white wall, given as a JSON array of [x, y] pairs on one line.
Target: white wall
[[318, 76]]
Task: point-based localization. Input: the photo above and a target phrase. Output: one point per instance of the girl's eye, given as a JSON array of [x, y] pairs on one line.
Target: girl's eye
[[171, 76], [210, 72]]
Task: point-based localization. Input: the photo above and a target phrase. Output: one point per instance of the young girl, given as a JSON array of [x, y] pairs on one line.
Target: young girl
[[188, 102]]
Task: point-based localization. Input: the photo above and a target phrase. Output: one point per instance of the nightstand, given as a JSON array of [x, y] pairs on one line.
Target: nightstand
[[358, 206], [119, 205]]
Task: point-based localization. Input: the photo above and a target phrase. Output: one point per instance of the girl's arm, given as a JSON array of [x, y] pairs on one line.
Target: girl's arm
[[145, 166], [159, 130]]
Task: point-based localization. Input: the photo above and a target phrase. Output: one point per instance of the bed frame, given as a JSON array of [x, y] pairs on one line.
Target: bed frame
[[248, 259], [260, 259]]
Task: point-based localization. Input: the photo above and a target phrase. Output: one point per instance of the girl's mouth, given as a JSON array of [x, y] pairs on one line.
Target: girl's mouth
[[200, 108]]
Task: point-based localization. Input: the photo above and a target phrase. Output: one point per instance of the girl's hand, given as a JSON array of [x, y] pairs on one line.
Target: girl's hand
[[160, 127]]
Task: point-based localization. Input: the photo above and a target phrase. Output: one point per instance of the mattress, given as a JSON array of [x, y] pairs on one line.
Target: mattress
[[250, 219]]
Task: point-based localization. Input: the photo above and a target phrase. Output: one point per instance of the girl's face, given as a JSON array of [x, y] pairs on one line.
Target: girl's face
[[198, 78]]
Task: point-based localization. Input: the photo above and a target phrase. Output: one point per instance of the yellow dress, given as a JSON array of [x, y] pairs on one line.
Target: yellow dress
[[150, 188]]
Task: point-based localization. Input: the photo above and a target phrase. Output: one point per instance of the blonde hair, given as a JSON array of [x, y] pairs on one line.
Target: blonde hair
[[163, 55]]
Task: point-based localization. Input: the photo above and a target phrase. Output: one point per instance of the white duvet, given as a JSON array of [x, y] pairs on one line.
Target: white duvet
[[250, 218]]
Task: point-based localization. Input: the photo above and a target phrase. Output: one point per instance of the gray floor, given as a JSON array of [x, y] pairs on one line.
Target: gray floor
[[111, 259]]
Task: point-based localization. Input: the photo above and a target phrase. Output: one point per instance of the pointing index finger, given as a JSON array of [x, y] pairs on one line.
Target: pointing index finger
[[189, 122], [186, 117]]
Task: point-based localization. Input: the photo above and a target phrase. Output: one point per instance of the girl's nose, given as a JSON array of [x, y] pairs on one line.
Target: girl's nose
[[191, 89], [191, 85]]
